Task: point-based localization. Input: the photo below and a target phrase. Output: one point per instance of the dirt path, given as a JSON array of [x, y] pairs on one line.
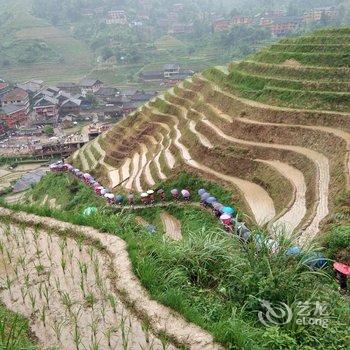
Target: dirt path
[[161, 175], [152, 152], [322, 166], [289, 221], [172, 226], [134, 170], [141, 167], [161, 318], [125, 169], [168, 155], [202, 139], [257, 198]]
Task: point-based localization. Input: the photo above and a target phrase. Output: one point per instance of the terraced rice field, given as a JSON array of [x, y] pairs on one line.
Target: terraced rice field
[[288, 162], [76, 286]]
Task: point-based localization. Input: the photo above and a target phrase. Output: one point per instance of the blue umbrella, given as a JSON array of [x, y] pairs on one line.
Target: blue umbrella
[[211, 200], [315, 260], [228, 210], [201, 191], [205, 196], [119, 198], [293, 251]]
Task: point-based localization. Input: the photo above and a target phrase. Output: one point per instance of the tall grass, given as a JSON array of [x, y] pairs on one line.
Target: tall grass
[[13, 331], [217, 282]]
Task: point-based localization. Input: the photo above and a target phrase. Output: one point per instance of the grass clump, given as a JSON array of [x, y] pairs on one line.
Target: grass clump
[[14, 331]]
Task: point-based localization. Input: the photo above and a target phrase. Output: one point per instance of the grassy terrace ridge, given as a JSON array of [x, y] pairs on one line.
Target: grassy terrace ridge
[[305, 73], [323, 74]]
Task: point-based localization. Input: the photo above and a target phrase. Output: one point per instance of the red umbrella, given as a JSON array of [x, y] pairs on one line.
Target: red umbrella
[[345, 269]]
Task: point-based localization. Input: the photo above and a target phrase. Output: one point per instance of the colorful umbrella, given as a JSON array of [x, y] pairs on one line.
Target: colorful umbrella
[[225, 217], [217, 205], [201, 191], [228, 210], [160, 191], [315, 260], [174, 191], [119, 198], [211, 200], [150, 192], [204, 196], [185, 193], [109, 195], [87, 176], [103, 191], [144, 195], [89, 211], [293, 251], [345, 269]]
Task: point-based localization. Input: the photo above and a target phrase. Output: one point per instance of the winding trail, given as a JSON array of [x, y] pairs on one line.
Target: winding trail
[[147, 171], [134, 170], [141, 166], [172, 226], [161, 318], [161, 175], [289, 221], [202, 139]]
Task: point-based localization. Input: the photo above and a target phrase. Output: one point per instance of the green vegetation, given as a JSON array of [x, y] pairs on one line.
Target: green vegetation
[[208, 276], [305, 72], [31, 47], [14, 331]]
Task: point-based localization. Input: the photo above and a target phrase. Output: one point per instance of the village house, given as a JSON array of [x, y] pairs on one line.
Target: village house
[[169, 70], [68, 87], [117, 17], [31, 86], [106, 92], [4, 87], [242, 20], [46, 107], [283, 25], [16, 96], [90, 86], [148, 76], [85, 104], [317, 14], [221, 25], [71, 106], [13, 115]]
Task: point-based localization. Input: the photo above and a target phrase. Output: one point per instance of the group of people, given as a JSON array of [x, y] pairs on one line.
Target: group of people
[[226, 214]]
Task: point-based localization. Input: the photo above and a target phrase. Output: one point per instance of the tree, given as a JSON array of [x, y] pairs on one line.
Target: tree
[[48, 130]]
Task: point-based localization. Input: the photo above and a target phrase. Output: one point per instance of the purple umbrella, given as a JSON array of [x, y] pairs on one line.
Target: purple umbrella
[[205, 196], [201, 191], [174, 191], [217, 205], [211, 200]]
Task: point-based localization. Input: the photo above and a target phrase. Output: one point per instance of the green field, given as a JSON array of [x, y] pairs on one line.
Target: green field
[[35, 49]]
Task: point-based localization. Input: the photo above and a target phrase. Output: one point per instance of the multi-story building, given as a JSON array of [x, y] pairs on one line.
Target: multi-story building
[[13, 115], [117, 17], [16, 96], [46, 107], [316, 14]]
